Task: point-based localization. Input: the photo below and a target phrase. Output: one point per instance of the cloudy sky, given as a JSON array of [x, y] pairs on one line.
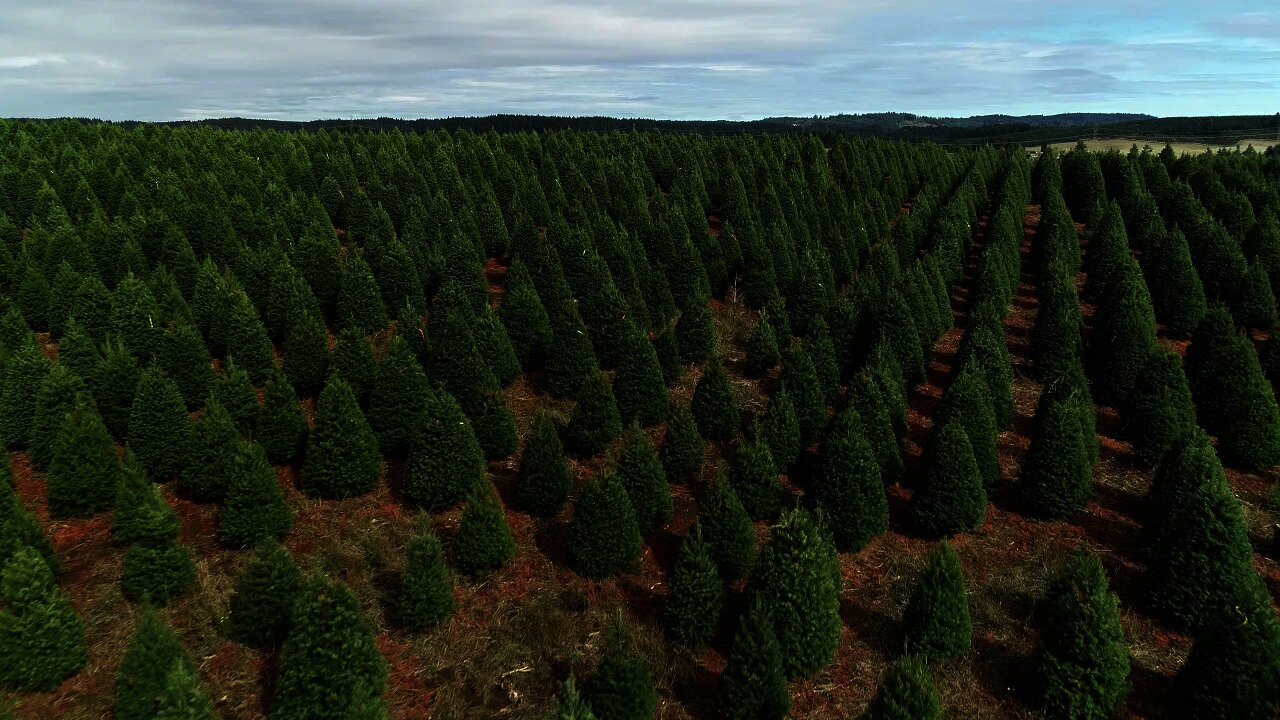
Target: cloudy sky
[[302, 59]]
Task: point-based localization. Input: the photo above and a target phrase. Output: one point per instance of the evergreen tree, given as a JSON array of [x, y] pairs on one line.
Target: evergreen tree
[[445, 462], [183, 357], [214, 442], [695, 332], [134, 316], [85, 470], [282, 426], [668, 353], [570, 705], [41, 636], [157, 568], [329, 665], [54, 401], [397, 405], [951, 498], [159, 427], [359, 303], [638, 384], [262, 606], [983, 345], [484, 538], [968, 402], [865, 398], [754, 684], [762, 348], [714, 405], [247, 339], [800, 379], [234, 390], [151, 655], [604, 537], [138, 502], [755, 480], [1233, 670], [76, 350], [353, 361], [906, 693], [849, 490], [183, 698], [306, 353], [526, 320], [494, 344], [114, 382], [781, 429], [697, 593], [1081, 661], [595, 422], [937, 616], [1160, 413], [1176, 291], [641, 474], [426, 588], [1057, 474], [898, 329], [544, 479], [621, 686], [1255, 303], [797, 580], [683, 452], [255, 509], [1124, 336], [727, 528], [342, 452], [823, 354]]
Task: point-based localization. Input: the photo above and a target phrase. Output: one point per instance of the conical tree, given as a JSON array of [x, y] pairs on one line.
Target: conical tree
[[604, 538], [183, 698], [781, 429], [621, 687], [697, 593], [951, 498], [215, 440], [329, 665], [445, 462], [426, 588], [571, 359], [1124, 336], [695, 332], [898, 329], [397, 404], [247, 339], [526, 320], [1176, 290], [753, 685], [353, 361], [234, 390], [595, 422], [41, 636], [54, 401], [18, 527], [800, 379], [762, 348], [714, 405], [159, 427], [638, 385], [255, 509], [849, 490], [968, 402], [484, 538], [140, 682], [184, 358], [133, 316], [906, 693], [1081, 661], [755, 480], [262, 606], [85, 470], [683, 451], [306, 353], [936, 620], [1160, 413], [282, 426], [984, 344], [544, 478], [727, 528], [570, 705], [157, 567], [1233, 670], [342, 452], [359, 303], [1056, 478], [797, 581], [114, 382], [864, 396], [641, 474]]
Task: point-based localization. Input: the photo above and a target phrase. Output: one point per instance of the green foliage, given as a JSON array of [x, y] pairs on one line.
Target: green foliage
[[247, 339], [951, 498], [397, 404], [151, 655], [762, 348], [800, 379], [496, 348], [571, 360], [683, 451], [753, 685], [715, 405], [1081, 661], [1056, 335], [1255, 303], [1160, 413], [353, 361], [797, 581], [822, 352], [595, 422], [641, 474], [183, 357], [1124, 336], [159, 427], [183, 699], [865, 398], [41, 636], [1233, 670], [1176, 291], [906, 693], [968, 402], [570, 705], [484, 538], [133, 318], [255, 509], [849, 490], [18, 527], [157, 569], [638, 385], [282, 426], [695, 332], [1056, 478], [697, 593], [445, 461], [755, 480], [214, 440], [544, 478], [329, 665], [936, 620], [306, 353], [621, 686], [983, 345], [342, 452], [359, 303], [727, 528], [780, 429], [262, 606], [54, 401], [85, 470], [114, 382], [898, 329], [425, 598], [234, 390], [664, 346], [604, 537]]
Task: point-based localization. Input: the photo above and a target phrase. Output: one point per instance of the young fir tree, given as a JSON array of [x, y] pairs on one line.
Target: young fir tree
[[800, 379], [797, 580], [697, 593], [306, 353], [353, 361], [397, 404], [1124, 336], [714, 405], [445, 462], [255, 508], [159, 427], [621, 687], [247, 339], [638, 385], [823, 354], [262, 606], [755, 480], [359, 303], [1160, 411], [234, 390], [76, 350], [55, 399], [133, 316], [951, 498], [1056, 478], [85, 470], [329, 664], [425, 597], [282, 426], [865, 397], [781, 429], [683, 451], [641, 474], [214, 441], [604, 537], [182, 355], [753, 685], [157, 567], [1176, 290], [570, 704], [664, 346], [342, 452], [183, 698], [1055, 338], [762, 348], [898, 329], [695, 332], [849, 490], [572, 360], [544, 478], [484, 538], [41, 636], [114, 382], [967, 401], [526, 320], [1233, 670], [937, 616], [1199, 563], [18, 527], [984, 344], [140, 681], [727, 528], [1081, 661], [595, 422], [906, 693]]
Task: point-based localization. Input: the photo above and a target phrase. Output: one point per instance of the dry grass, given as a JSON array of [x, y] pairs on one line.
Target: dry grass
[[1123, 145]]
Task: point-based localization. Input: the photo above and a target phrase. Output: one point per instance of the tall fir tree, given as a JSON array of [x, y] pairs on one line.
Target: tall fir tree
[[353, 361], [781, 429], [727, 527], [906, 692], [968, 402], [697, 593], [55, 399], [261, 608], [214, 441], [640, 471], [85, 470], [936, 620], [445, 461], [42, 639], [255, 509], [114, 383], [1233, 670], [1056, 478], [282, 426], [1161, 412], [484, 540], [755, 479], [753, 685], [342, 452], [544, 478], [762, 348], [951, 498], [849, 490], [622, 686], [234, 390], [604, 537], [159, 427], [183, 356], [800, 379], [595, 422], [525, 318], [638, 385], [397, 404], [715, 405], [150, 656]]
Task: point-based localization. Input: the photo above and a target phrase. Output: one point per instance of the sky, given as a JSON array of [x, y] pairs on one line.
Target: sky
[[735, 59]]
